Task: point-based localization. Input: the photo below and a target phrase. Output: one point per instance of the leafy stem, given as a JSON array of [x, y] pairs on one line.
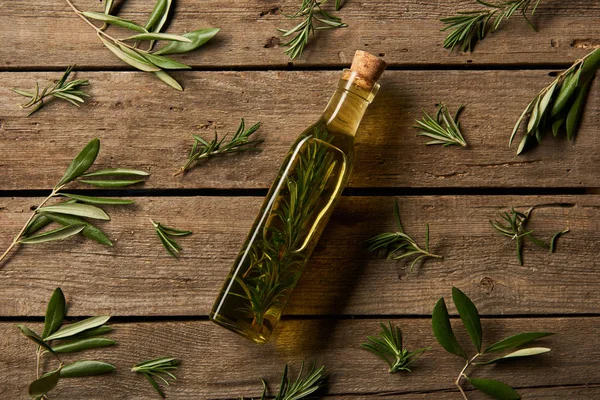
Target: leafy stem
[[444, 129]]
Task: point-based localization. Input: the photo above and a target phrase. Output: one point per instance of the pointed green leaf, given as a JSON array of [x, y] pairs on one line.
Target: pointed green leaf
[[558, 123], [78, 327], [81, 162], [169, 80], [90, 231], [159, 36], [97, 200], [495, 389], [129, 57], [535, 117], [198, 38], [83, 344], [38, 222], [576, 111], [155, 385], [165, 62], [516, 341], [117, 172], [154, 362], [80, 369], [43, 385], [55, 234], [101, 330], [80, 210], [107, 6], [469, 316], [55, 313], [442, 329], [112, 183], [532, 351], [157, 13], [589, 68], [566, 92], [111, 19], [31, 335]]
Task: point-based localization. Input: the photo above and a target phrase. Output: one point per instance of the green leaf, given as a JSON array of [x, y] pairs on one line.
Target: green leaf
[[55, 313], [159, 10], [55, 234], [97, 200], [557, 125], [81, 163], [516, 341], [80, 210], [566, 92], [165, 62], [155, 385], [545, 102], [469, 316], [532, 351], [90, 231], [168, 79], [128, 57], [442, 329], [31, 335], [117, 172], [101, 330], [535, 117], [78, 327], [83, 368], [111, 19], [198, 38], [107, 6], [159, 36], [43, 385], [493, 388], [38, 222], [576, 110], [152, 363], [589, 68], [111, 184], [83, 344]]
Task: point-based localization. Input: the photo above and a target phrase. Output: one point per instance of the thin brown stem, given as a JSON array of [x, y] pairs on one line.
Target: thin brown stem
[[462, 375]]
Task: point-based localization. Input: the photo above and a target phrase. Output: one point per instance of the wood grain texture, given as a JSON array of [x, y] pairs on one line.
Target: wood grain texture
[[405, 32], [146, 125], [138, 277], [217, 364]]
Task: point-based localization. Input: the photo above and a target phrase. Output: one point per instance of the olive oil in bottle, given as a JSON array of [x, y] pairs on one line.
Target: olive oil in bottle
[[296, 209]]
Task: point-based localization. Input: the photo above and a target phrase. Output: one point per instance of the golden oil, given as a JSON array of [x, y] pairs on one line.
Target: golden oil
[[294, 214]]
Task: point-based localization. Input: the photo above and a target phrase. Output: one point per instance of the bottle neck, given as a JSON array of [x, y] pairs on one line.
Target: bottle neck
[[348, 104]]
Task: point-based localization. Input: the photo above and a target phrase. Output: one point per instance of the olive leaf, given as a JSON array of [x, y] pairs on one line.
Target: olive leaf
[[83, 368], [55, 234], [495, 389], [532, 351], [55, 313], [113, 20], [97, 200], [117, 172], [159, 36], [111, 183], [43, 385], [101, 330], [81, 163], [31, 335], [197, 38], [469, 315], [442, 329], [83, 344], [77, 209], [516, 341], [77, 327]]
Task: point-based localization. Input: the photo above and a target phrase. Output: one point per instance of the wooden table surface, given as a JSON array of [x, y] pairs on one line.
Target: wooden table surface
[[160, 304]]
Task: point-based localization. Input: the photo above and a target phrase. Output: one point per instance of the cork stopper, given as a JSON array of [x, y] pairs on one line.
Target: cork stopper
[[368, 68]]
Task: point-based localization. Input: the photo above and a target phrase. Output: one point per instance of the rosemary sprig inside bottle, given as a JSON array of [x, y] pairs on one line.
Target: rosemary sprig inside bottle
[[398, 245], [61, 89], [444, 129], [315, 18], [469, 27], [203, 149]]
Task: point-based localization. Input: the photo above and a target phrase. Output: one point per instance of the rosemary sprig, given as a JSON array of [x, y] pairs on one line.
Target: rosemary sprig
[[388, 347], [203, 149], [165, 235], [71, 213], [469, 315], [398, 245], [560, 105], [160, 368], [314, 18], [447, 134], [127, 49], [300, 388], [469, 27], [76, 337], [61, 89], [514, 226]]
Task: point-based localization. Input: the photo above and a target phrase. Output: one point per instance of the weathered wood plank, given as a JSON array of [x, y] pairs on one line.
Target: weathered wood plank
[[137, 277], [404, 31], [149, 126], [217, 364]]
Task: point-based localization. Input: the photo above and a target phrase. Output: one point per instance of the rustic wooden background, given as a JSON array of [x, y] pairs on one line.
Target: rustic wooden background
[[160, 304]]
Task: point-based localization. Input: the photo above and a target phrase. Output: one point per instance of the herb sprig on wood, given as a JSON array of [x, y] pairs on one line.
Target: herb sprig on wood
[[469, 315], [388, 347], [314, 18], [444, 129], [514, 226], [559, 106], [302, 387], [71, 214], [158, 368], [76, 337], [62, 89], [128, 49], [468, 27], [166, 234], [203, 149], [398, 245]]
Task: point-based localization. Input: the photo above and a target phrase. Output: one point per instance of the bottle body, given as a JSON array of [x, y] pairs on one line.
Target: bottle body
[[292, 218]]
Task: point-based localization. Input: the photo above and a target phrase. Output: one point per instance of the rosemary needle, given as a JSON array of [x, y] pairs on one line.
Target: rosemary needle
[[166, 234], [444, 129]]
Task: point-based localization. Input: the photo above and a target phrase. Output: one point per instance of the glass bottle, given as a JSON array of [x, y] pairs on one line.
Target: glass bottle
[[296, 209]]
